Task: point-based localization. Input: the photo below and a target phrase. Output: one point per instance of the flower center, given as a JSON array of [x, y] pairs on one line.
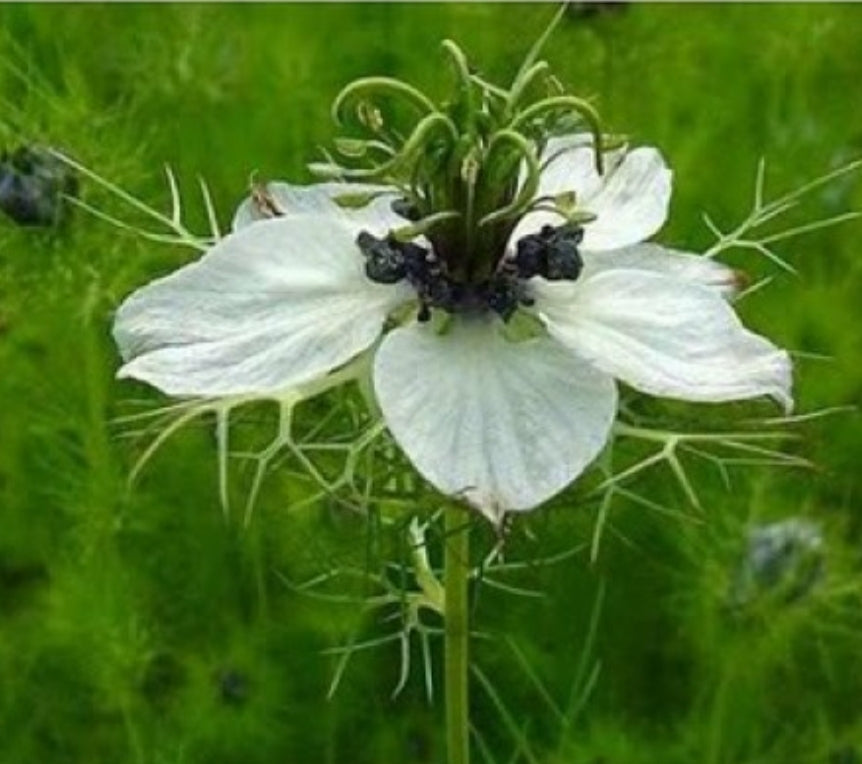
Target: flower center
[[467, 170], [552, 254]]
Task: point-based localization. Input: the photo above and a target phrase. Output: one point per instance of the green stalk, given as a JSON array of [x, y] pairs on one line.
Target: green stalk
[[455, 579]]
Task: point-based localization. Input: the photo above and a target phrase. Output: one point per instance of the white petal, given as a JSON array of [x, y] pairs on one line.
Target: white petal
[[630, 199], [696, 269], [664, 336], [376, 217], [504, 425], [273, 305]]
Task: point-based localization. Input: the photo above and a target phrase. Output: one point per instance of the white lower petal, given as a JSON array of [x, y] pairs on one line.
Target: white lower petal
[[664, 336], [696, 269], [504, 425], [273, 305], [630, 199], [376, 217]]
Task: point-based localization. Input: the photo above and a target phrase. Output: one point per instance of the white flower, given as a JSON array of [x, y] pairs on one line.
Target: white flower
[[504, 424]]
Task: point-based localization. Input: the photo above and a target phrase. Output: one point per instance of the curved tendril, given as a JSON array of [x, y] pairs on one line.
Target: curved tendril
[[390, 85], [383, 148], [545, 203], [523, 83], [459, 61], [462, 70], [545, 208], [527, 63], [420, 133], [560, 152], [570, 103], [329, 168], [421, 227], [489, 88], [354, 149], [531, 184], [418, 193]]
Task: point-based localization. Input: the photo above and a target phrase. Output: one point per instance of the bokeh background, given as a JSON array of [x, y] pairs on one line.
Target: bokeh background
[[142, 625]]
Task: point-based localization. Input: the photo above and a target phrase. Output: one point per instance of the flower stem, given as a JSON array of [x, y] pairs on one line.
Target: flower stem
[[456, 575]]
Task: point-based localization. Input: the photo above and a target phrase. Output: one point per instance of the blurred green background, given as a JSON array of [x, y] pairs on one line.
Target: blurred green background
[[140, 625]]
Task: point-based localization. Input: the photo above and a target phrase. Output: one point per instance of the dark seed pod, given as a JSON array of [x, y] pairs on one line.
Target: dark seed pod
[[846, 754], [783, 561], [33, 183]]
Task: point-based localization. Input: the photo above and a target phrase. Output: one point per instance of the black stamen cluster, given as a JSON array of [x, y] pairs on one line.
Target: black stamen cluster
[[389, 260], [505, 293], [552, 253], [386, 259]]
